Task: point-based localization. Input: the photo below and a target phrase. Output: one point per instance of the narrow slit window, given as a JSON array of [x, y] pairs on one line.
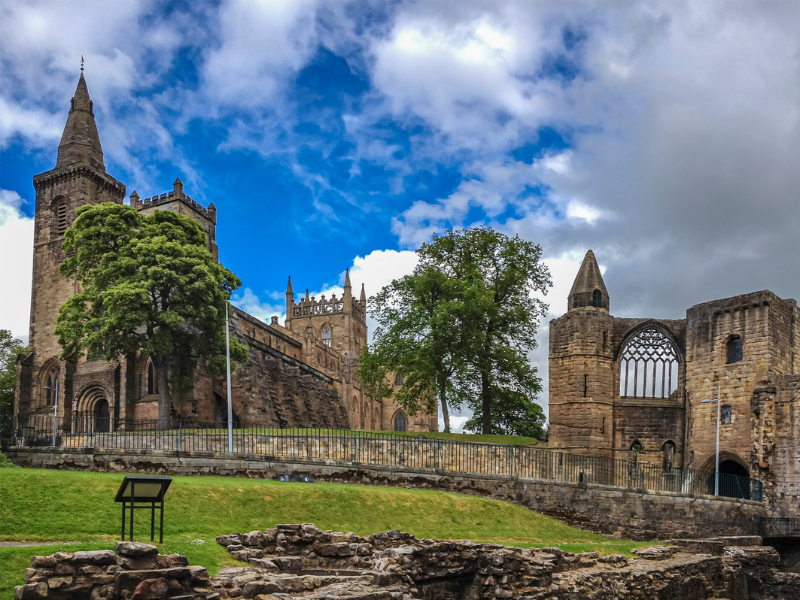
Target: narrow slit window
[[61, 217]]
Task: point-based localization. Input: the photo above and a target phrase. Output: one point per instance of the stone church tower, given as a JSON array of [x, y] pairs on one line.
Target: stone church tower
[[581, 373], [300, 375], [79, 178]]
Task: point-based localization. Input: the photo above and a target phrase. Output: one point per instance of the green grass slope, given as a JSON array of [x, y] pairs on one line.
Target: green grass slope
[[69, 506]]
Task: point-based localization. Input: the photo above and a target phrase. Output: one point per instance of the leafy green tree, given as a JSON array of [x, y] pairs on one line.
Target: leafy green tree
[[513, 413], [420, 334], [500, 276], [149, 284], [10, 348]]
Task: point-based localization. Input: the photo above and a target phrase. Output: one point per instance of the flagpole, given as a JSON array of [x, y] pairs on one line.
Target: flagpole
[[228, 361]]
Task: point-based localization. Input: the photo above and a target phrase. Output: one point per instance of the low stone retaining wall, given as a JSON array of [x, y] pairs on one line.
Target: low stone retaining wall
[[135, 572], [612, 511]]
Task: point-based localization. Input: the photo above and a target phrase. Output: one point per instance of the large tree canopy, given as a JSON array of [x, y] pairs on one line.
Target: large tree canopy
[[503, 275], [149, 284], [419, 334], [460, 328]]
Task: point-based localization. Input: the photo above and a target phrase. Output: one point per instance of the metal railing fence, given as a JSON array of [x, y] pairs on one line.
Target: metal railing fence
[[375, 448]]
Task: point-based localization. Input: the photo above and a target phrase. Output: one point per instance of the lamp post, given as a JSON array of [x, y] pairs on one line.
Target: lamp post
[[716, 470], [228, 361], [55, 415]]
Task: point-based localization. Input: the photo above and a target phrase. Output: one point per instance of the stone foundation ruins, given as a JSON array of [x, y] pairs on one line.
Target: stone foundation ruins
[[300, 561]]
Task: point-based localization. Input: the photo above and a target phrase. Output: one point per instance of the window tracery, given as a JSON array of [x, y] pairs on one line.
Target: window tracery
[[649, 366], [326, 335], [400, 422]]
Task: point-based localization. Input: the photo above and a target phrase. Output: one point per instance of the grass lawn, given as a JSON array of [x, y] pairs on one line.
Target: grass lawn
[[69, 506]]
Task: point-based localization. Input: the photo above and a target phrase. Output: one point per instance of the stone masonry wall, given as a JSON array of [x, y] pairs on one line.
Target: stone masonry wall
[[290, 558], [634, 515], [132, 571], [775, 420]]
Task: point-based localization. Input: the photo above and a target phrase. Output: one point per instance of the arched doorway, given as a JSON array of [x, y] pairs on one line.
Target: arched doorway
[[102, 416], [93, 411], [733, 479]]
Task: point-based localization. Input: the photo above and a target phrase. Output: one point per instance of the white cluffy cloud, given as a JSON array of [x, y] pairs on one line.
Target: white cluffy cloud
[[16, 265]]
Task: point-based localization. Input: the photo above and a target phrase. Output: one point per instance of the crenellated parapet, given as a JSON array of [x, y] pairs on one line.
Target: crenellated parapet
[[176, 195], [311, 307]]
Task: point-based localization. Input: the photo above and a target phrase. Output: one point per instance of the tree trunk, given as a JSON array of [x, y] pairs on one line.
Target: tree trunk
[[443, 401], [164, 399], [486, 404]]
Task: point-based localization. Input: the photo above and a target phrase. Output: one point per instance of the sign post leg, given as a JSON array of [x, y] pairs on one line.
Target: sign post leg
[[161, 526], [133, 505]]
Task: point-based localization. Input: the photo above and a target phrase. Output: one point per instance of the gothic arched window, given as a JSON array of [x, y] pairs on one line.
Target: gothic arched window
[[399, 379], [636, 448], [669, 455], [152, 380], [48, 390], [326, 335], [649, 366], [735, 350], [400, 422], [597, 299]]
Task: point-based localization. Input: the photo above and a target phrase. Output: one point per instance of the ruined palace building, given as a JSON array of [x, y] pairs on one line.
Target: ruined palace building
[[632, 389], [299, 374]]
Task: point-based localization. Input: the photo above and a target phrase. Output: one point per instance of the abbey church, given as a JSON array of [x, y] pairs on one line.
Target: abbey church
[[299, 374]]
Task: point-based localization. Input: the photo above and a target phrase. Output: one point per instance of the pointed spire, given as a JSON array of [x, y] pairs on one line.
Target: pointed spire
[[589, 289], [177, 187], [307, 298], [363, 298], [289, 289], [80, 142], [347, 280]]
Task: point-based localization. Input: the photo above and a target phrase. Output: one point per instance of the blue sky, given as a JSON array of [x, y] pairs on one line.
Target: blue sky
[[334, 135]]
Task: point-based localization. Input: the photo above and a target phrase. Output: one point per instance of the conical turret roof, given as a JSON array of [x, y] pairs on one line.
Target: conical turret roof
[[80, 142], [588, 280]]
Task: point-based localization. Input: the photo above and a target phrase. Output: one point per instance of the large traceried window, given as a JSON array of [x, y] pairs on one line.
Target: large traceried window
[[648, 366]]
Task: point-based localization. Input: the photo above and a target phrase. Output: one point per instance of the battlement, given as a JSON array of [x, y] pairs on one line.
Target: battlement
[[311, 307], [176, 194]]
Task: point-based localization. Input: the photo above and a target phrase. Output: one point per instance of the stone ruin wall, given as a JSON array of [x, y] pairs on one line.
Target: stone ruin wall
[[775, 458], [587, 414], [300, 561]]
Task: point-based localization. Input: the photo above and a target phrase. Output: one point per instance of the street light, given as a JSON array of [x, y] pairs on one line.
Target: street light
[[55, 415], [228, 360], [716, 470]]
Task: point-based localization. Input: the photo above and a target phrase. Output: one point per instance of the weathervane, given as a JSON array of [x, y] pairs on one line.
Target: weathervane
[[81, 63]]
